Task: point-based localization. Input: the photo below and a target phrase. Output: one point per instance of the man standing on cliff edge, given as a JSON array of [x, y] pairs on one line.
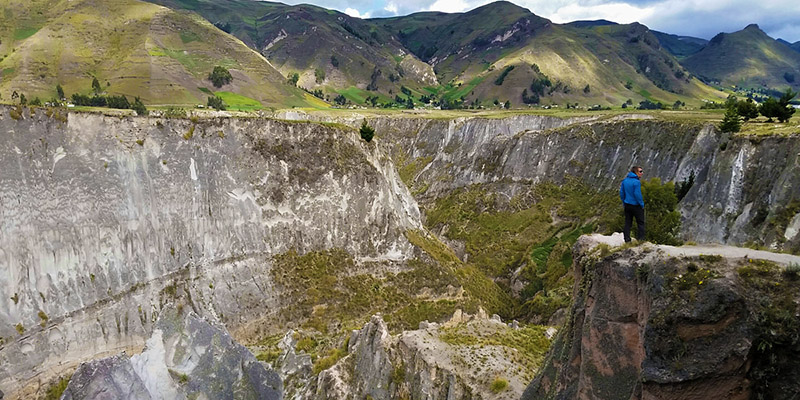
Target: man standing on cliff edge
[[630, 192]]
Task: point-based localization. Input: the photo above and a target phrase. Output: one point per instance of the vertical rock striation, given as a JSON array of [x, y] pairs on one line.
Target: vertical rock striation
[[105, 219]]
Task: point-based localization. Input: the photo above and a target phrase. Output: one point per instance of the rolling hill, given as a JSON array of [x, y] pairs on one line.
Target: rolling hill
[[748, 59], [330, 51], [133, 48]]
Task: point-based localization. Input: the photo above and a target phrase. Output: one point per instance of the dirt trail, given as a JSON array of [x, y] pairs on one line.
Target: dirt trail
[[696, 250]]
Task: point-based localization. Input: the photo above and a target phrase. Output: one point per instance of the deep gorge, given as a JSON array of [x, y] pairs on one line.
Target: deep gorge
[[107, 219]]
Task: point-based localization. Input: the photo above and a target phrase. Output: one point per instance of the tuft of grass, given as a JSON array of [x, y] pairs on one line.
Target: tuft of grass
[[43, 317], [791, 271], [188, 135], [498, 385], [55, 390], [20, 329]]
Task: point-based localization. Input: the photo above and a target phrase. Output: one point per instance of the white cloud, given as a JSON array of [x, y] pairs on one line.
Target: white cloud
[[354, 13], [618, 12], [449, 6], [391, 7]]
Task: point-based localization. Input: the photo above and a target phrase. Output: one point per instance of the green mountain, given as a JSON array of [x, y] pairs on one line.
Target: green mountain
[[794, 46], [489, 54], [749, 59], [330, 51], [680, 46], [132, 48]]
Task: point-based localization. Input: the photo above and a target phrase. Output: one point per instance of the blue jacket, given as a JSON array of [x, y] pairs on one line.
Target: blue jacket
[[630, 191]]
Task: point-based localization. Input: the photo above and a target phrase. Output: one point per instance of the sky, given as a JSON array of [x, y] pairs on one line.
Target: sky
[[699, 18]]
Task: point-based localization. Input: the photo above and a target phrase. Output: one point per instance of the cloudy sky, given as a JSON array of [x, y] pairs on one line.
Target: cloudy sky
[[700, 18]]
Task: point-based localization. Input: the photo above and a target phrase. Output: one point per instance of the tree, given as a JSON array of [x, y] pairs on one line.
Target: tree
[[139, 107], [747, 109], [340, 100], [730, 123], [319, 75], [96, 85], [22, 99], [507, 105], [220, 76], [587, 89], [367, 132], [780, 109], [770, 109], [786, 110], [60, 92], [216, 102], [293, 78], [334, 61]]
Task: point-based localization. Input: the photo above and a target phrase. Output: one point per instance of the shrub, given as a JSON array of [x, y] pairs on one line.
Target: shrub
[[139, 107], [216, 102], [293, 78], [502, 77], [498, 385], [663, 221], [319, 75], [367, 132], [174, 112], [220, 76]]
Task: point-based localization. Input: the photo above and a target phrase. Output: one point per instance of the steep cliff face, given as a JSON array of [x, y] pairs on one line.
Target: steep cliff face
[[107, 218], [743, 186], [658, 322], [468, 357], [186, 357]]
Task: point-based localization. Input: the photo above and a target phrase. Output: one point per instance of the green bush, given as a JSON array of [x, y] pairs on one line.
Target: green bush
[[216, 102], [220, 76], [663, 221], [367, 132]]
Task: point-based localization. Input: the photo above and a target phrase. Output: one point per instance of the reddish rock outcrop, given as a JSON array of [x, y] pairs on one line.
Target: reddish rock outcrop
[[648, 325]]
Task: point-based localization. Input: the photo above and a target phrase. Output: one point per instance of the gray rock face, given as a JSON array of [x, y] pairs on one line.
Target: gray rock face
[[742, 185], [111, 378], [105, 219], [420, 364], [185, 358]]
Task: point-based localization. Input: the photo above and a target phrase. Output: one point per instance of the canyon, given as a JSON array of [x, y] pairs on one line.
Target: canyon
[[110, 219]]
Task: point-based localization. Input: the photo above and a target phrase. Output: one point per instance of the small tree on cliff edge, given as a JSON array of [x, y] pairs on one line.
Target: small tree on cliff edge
[[731, 122], [367, 132]]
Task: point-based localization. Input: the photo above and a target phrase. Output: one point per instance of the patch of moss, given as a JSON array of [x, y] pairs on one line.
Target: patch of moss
[[777, 330], [55, 390], [529, 341], [322, 290]]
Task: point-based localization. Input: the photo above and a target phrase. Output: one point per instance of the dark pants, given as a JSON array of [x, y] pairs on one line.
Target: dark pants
[[632, 211]]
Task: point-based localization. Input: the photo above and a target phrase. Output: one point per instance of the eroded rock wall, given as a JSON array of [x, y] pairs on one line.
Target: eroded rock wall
[[744, 187], [650, 323], [105, 219]]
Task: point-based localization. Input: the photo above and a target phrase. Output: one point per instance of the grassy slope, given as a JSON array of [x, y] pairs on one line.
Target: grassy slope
[[747, 58], [469, 57], [310, 36], [603, 57], [133, 48]]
